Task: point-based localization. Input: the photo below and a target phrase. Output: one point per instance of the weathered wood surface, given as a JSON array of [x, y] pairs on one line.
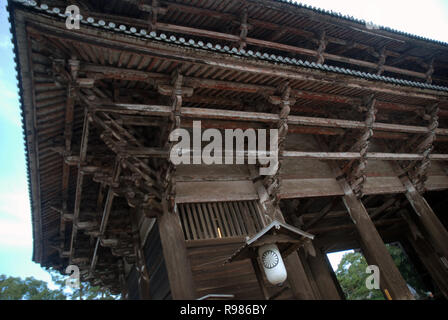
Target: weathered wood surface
[[159, 286], [177, 261], [212, 191], [374, 248], [432, 262], [437, 233], [301, 177], [297, 278], [218, 114], [238, 278], [136, 46], [128, 57]]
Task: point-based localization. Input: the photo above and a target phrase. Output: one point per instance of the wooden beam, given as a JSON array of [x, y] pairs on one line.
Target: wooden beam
[[281, 29], [303, 254], [79, 182], [142, 269], [260, 280], [419, 170], [205, 113], [175, 253], [282, 47], [255, 67], [357, 175], [437, 233], [376, 251], [297, 277], [319, 216], [322, 275], [99, 72], [350, 226], [356, 155], [105, 216], [431, 261]]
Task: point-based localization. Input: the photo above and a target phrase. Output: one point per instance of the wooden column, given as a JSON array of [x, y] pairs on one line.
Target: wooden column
[[436, 232], [175, 253], [297, 277], [303, 255], [259, 276], [436, 269], [375, 250], [322, 275], [143, 278]]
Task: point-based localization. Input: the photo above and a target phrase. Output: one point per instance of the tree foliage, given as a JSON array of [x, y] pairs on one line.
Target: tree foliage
[[351, 274], [15, 288], [86, 290]]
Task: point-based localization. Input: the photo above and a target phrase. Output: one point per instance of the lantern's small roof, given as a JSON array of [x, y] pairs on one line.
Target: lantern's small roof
[[285, 236]]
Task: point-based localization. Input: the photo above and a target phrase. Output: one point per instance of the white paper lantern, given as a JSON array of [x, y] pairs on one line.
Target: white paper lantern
[[272, 262]]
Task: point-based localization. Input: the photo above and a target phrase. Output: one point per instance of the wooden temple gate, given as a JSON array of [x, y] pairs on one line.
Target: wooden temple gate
[[361, 116]]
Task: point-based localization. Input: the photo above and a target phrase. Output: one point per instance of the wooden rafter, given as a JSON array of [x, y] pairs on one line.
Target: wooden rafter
[[297, 279], [103, 72], [218, 114], [419, 171], [273, 182], [374, 247], [169, 6], [79, 182], [357, 176], [234, 65]]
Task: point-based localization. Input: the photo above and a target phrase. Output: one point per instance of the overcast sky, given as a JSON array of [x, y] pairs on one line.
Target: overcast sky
[[426, 18]]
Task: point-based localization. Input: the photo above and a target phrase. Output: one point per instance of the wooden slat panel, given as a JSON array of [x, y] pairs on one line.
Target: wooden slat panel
[[205, 227], [211, 231], [229, 220], [199, 226], [223, 219], [237, 215], [191, 223], [213, 220], [185, 224]]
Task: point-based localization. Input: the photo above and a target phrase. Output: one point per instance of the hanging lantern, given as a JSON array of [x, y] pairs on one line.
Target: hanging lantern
[[273, 265], [268, 248]]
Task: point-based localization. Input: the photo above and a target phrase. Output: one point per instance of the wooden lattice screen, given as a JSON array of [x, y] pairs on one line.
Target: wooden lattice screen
[[216, 220]]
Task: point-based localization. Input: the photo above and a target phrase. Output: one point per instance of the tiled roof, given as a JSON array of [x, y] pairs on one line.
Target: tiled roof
[[142, 33], [360, 21]]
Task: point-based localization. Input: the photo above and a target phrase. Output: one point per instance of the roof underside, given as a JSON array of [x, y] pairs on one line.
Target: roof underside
[[222, 78]]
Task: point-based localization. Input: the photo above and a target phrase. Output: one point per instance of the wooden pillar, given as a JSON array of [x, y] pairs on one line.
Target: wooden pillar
[[436, 269], [427, 255], [297, 277], [322, 274], [436, 232], [303, 255], [374, 248], [175, 253], [259, 276], [142, 270]]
